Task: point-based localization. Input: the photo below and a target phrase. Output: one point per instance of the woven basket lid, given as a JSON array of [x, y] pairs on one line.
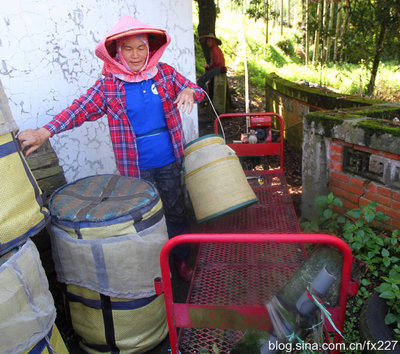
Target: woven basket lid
[[7, 123], [102, 199]]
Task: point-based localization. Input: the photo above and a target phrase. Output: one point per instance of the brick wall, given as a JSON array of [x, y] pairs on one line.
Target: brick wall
[[356, 190], [350, 146]]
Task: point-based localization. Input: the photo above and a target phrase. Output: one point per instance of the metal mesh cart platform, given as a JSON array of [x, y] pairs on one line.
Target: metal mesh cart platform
[[244, 259], [235, 276], [273, 213]]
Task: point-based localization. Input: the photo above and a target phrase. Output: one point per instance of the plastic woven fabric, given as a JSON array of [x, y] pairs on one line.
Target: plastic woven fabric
[[22, 213], [100, 203], [136, 327], [27, 309], [122, 266], [7, 123]]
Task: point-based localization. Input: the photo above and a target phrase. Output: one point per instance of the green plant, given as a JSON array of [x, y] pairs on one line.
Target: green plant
[[390, 291], [275, 57], [381, 253], [286, 45], [369, 246], [327, 219]]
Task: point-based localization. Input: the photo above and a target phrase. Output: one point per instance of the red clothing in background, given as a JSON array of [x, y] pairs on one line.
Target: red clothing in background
[[217, 59]]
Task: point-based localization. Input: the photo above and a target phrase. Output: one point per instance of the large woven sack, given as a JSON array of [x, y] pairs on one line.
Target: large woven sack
[[27, 309], [53, 343], [107, 232], [214, 178], [22, 213], [7, 123], [108, 324]]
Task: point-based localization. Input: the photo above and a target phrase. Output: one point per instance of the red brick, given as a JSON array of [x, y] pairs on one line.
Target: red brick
[[339, 210], [353, 189], [384, 201], [336, 183], [394, 214], [347, 187], [372, 187], [395, 205], [380, 199], [371, 196], [336, 166], [339, 176], [396, 196], [366, 149], [357, 181], [391, 156], [364, 201], [338, 192], [336, 148], [384, 191], [340, 142], [342, 194], [337, 158], [396, 224], [349, 205]]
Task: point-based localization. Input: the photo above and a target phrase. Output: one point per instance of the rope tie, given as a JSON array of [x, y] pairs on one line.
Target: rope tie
[[324, 312]]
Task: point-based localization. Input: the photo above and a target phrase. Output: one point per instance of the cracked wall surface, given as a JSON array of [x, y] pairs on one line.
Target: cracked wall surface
[[47, 60]]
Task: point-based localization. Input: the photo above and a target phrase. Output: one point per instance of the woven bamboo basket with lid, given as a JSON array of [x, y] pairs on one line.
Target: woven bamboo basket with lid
[[214, 178]]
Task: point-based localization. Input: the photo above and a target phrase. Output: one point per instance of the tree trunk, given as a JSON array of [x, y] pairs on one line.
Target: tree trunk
[[307, 39], [266, 21], [207, 19], [317, 35], [330, 31], [377, 59], [288, 13], [337, 34], [343, 30], [325, 24], [281, 17]]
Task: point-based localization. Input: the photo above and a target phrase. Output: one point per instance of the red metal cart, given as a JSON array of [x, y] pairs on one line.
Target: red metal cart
[[235, 276], [244, 259]]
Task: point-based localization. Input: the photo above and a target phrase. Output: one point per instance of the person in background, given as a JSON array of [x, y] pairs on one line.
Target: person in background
[[217, 60], [141, 98]]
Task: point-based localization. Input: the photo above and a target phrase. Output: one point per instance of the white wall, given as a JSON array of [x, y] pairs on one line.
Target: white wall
[[47, 59]]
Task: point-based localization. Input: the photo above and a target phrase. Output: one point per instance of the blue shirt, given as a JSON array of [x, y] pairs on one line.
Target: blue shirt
[[146, 115]]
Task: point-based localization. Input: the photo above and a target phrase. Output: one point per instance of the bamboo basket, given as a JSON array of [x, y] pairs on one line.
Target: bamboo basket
[[214, 178]]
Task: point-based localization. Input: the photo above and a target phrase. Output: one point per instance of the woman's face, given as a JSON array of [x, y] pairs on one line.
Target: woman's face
[[134, 52]]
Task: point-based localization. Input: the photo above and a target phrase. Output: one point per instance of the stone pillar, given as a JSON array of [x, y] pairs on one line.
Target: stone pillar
[[315, 167]]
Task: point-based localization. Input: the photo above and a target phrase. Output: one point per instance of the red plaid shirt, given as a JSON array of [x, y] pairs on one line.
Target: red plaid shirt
[[107, 96]]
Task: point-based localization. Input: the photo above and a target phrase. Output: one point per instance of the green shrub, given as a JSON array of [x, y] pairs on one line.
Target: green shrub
[[286, 46], [275, 57], [381, 253]]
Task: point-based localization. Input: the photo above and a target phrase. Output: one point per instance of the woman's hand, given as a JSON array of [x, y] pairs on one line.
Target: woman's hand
[[34, 138], [186, 99]]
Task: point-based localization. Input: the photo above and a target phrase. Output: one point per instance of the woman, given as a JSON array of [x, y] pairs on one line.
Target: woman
[[141, 98]]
